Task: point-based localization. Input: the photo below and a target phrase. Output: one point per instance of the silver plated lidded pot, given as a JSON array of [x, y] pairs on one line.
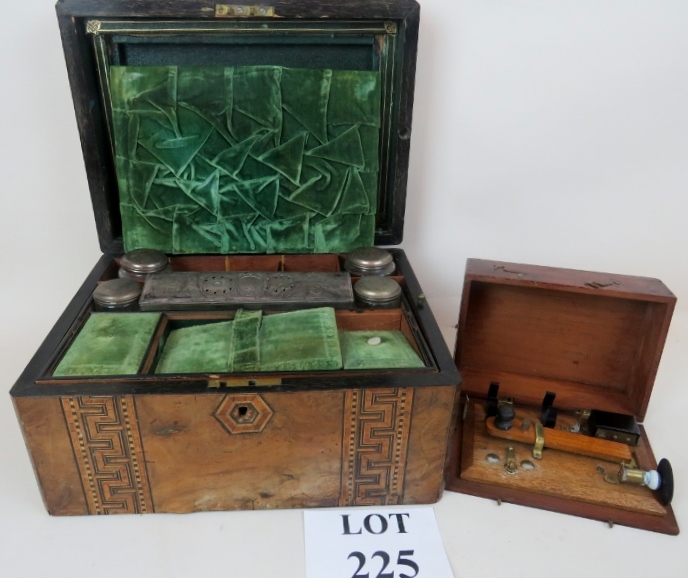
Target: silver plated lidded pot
[[378, 292], [118, 295], [139, 263], [365, 261]]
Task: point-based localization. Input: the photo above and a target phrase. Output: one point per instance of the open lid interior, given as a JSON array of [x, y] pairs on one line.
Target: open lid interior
[[265, 135], [593, 339]]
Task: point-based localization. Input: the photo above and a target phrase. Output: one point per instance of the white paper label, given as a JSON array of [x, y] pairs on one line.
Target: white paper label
[[374, 543]]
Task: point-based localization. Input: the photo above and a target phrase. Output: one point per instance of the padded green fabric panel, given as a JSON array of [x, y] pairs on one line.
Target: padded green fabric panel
[[109, 344], [300, 341], [245, 351], [257, 159], [197, 349], [392, 352]]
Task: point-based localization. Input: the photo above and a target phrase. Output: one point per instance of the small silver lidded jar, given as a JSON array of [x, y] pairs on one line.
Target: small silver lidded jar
[[139, 263], [365, 261], [378, 292], [118, 295]]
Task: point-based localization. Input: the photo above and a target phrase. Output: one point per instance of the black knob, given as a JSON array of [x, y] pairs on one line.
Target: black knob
[[666, 489], [505, 417]]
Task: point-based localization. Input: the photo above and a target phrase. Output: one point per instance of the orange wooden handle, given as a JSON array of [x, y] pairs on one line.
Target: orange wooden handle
[[564, 441]]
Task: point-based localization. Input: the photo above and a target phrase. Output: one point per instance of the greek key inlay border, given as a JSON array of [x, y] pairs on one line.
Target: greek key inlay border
[[107, 446], [376, 434]]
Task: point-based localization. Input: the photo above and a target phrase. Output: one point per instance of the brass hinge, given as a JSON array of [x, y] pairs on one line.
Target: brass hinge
[[243, 11]]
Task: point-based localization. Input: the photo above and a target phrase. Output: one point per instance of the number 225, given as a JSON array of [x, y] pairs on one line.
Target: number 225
[[402, 560]]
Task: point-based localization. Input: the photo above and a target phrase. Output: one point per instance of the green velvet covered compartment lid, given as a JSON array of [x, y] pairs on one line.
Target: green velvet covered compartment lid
[[206, 134], [109, 344], [377, 349]]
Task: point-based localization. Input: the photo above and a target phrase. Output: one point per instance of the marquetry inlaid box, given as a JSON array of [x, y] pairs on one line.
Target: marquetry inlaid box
[[555, 344], [239, 138]]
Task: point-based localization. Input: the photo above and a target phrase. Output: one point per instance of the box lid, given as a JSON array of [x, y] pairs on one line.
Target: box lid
[[378, 38], [594, 339]]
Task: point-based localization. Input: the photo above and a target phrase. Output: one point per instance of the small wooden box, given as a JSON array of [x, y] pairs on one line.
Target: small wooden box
[[153, 442], [593, 339]]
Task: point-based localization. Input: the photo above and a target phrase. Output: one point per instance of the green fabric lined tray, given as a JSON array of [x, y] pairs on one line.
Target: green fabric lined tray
[[109, 344], [255, 159], [198, 349], [301, 340], [393, 351]]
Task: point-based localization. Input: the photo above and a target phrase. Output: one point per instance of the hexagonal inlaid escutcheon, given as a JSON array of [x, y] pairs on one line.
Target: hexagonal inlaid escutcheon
[[243, 413]]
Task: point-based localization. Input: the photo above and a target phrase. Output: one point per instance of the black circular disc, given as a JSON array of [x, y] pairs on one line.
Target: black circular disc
[[666, 489]]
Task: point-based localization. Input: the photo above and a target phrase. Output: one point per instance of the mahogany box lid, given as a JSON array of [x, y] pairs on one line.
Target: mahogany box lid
[[377, 37], [595, 339]]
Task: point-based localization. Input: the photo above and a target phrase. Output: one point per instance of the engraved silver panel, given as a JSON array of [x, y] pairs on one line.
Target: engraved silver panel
[[187, 291]]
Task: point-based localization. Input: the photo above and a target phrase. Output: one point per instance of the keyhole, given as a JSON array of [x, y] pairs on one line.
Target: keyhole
[[242, 410]]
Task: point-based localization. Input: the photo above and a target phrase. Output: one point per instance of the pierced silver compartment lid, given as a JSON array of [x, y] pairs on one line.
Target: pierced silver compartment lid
[[376, 290], [192, 290], [365, 261], [138, 263], [117, 293]]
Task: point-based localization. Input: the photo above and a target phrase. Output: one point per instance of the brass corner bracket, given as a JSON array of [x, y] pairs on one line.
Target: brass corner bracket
[[93, 27], [391, 28]]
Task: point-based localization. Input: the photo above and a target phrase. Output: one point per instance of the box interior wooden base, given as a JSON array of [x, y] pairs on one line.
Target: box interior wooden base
[[560, 481], [396, 319]]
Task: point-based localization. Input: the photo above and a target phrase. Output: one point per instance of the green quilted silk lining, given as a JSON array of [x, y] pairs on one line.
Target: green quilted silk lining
[[392, 352], [259, 159], [109, 344], [197, 349]]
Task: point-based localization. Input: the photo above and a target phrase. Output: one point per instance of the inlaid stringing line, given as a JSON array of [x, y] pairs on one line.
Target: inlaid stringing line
[[134, 459], [84, 453], [399, 440], [352, 443]]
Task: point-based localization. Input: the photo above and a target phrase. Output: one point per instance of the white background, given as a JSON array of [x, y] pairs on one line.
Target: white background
[[346, 541], [553, 133]]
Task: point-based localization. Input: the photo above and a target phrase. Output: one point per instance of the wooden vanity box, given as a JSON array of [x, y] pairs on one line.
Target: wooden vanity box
[[593, 339], [251, 440]]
